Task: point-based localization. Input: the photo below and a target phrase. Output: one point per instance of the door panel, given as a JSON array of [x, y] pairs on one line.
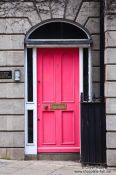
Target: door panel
[[48, 77], [58, 100], [68, 127], [49, 128], [67, 79]]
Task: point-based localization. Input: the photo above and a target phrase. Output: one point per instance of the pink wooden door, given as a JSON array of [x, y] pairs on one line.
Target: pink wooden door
[[58, 100]]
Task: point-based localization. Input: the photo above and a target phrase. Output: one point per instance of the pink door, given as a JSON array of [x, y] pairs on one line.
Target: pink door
[[58, 100]]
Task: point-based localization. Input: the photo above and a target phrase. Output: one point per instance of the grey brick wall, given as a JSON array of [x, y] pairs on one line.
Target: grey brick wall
[[15, 21]]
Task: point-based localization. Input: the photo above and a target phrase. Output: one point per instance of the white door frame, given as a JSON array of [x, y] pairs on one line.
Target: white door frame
[[31, 148]]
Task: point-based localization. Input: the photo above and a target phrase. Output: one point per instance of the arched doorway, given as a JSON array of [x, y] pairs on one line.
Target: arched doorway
[[54, 81]]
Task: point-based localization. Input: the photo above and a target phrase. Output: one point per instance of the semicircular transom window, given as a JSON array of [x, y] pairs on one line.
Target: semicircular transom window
[[58, 30]]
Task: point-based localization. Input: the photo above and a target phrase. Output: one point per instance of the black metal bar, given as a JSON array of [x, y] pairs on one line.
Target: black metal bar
[[93, 133], [102, 46], [102, 78]]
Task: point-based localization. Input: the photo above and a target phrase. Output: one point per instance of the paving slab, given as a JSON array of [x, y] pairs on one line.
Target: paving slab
[[12, 167]]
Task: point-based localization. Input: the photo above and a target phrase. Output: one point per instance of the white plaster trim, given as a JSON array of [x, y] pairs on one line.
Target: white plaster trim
[[25, 62], [81, 69], [81, 83], [31, 148]]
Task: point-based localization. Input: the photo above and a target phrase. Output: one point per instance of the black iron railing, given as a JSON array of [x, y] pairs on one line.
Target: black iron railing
[[93, 131]]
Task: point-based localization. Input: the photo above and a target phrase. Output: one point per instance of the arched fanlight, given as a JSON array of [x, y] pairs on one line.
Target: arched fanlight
[[58, 32]]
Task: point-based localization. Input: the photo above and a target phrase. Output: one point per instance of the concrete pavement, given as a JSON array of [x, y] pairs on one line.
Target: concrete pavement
[[11, 167]]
